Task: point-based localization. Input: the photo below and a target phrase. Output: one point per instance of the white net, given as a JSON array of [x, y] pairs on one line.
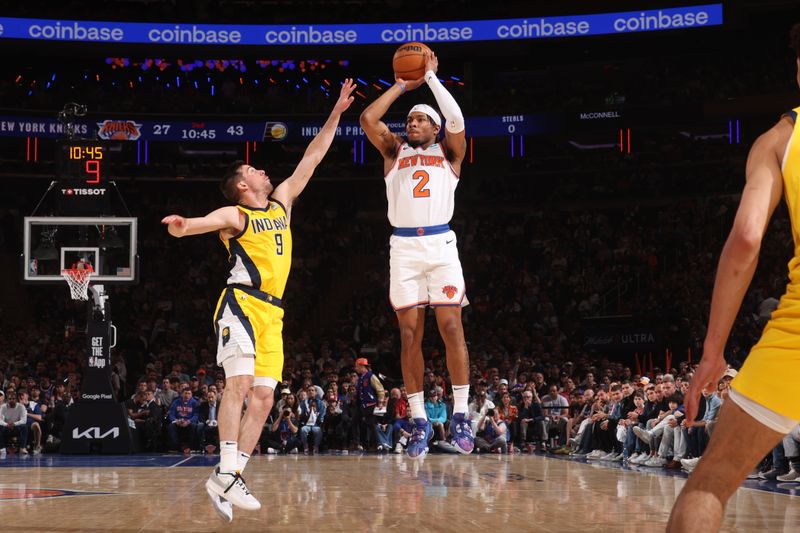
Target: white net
[[78, 281]]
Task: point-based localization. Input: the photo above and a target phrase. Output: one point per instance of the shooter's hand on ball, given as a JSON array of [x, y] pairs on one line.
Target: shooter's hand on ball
[[410, 85], [431, 62]]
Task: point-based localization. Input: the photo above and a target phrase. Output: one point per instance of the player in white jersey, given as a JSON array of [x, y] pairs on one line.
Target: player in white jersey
[[421, 176]]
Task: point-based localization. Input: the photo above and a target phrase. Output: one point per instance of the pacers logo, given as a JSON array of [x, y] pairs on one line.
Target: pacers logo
[[449, 291], [226, 335], [275, 131]]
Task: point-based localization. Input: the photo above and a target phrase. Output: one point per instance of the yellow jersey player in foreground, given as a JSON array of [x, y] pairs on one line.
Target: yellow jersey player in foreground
[[764, 404], [249, 316]]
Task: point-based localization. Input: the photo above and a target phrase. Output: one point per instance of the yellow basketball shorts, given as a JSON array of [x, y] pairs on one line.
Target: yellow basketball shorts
[[248, 325], [771, 374]]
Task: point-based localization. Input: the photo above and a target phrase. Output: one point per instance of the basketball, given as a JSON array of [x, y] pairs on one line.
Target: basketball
[[409, 61]]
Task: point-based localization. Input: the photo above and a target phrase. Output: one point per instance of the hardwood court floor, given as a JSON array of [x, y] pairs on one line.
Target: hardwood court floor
[[363, 494]]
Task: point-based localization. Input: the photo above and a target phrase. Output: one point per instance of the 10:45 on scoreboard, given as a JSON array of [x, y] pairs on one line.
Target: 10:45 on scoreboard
[[202, 131]]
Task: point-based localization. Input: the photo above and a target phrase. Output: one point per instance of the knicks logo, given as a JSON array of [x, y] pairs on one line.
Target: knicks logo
[[119, 130], [449, 291]]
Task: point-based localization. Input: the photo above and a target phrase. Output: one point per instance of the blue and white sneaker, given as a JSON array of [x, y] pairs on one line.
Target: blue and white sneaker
[[461, 431], [420, 435]]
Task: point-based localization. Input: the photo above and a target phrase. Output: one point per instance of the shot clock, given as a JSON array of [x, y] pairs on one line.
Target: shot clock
[[83, 171], [82, 160]]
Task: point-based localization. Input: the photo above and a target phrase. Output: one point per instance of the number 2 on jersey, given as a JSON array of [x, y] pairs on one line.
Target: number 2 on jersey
[[419, 190]]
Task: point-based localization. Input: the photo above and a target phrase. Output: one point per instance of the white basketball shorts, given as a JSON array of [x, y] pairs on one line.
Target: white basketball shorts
[[425, 271]]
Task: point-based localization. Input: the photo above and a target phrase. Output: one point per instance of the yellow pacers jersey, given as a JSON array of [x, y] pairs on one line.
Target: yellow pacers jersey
[[771, 373], [261, 255]]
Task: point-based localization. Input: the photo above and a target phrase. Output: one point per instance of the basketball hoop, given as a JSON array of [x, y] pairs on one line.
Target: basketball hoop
[[78, 281]]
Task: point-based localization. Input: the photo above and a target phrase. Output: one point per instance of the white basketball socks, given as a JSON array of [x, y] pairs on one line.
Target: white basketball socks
[[228, 455], [231, 458], [460, 399], [416, 402], [243, 458]]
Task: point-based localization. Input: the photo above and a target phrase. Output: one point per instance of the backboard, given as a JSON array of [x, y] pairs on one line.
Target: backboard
[[108, 244]]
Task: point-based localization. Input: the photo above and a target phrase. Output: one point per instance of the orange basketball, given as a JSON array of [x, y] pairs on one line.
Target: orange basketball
[[409, 61]]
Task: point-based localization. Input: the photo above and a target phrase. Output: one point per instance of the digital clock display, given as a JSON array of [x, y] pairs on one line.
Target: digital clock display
[[82, 160]]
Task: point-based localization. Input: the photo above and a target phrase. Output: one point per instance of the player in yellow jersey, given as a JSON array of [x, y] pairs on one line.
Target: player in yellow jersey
[[249, 316], [764, 404]]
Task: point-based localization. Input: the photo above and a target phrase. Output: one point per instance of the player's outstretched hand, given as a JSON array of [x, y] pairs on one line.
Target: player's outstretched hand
[[345, 98], [706, 377], [176, 224]]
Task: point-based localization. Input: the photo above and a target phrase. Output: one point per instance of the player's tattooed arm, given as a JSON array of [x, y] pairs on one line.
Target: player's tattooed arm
[[377, 131]]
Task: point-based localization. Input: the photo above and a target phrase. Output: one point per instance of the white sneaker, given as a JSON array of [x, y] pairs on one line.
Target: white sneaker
[[792, 475], [655, 461], [689, 465], [3, 453], [223, 507], [272, 451], [398, 448], [595, 454], [37, 451], [294, 451], [642, 459], [608, 457], [617, 458], [231, 487], [23, 451]]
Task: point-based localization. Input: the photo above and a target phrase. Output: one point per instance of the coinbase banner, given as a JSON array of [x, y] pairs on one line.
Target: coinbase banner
[[307, 34]]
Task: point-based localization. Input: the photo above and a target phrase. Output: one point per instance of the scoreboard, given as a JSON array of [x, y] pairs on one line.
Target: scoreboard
[[82, 160]]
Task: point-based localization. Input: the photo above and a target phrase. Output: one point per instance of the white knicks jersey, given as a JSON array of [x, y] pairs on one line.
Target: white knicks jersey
[[421, 187]]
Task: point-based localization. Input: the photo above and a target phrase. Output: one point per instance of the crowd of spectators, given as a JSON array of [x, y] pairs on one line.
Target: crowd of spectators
[[533, 275]]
